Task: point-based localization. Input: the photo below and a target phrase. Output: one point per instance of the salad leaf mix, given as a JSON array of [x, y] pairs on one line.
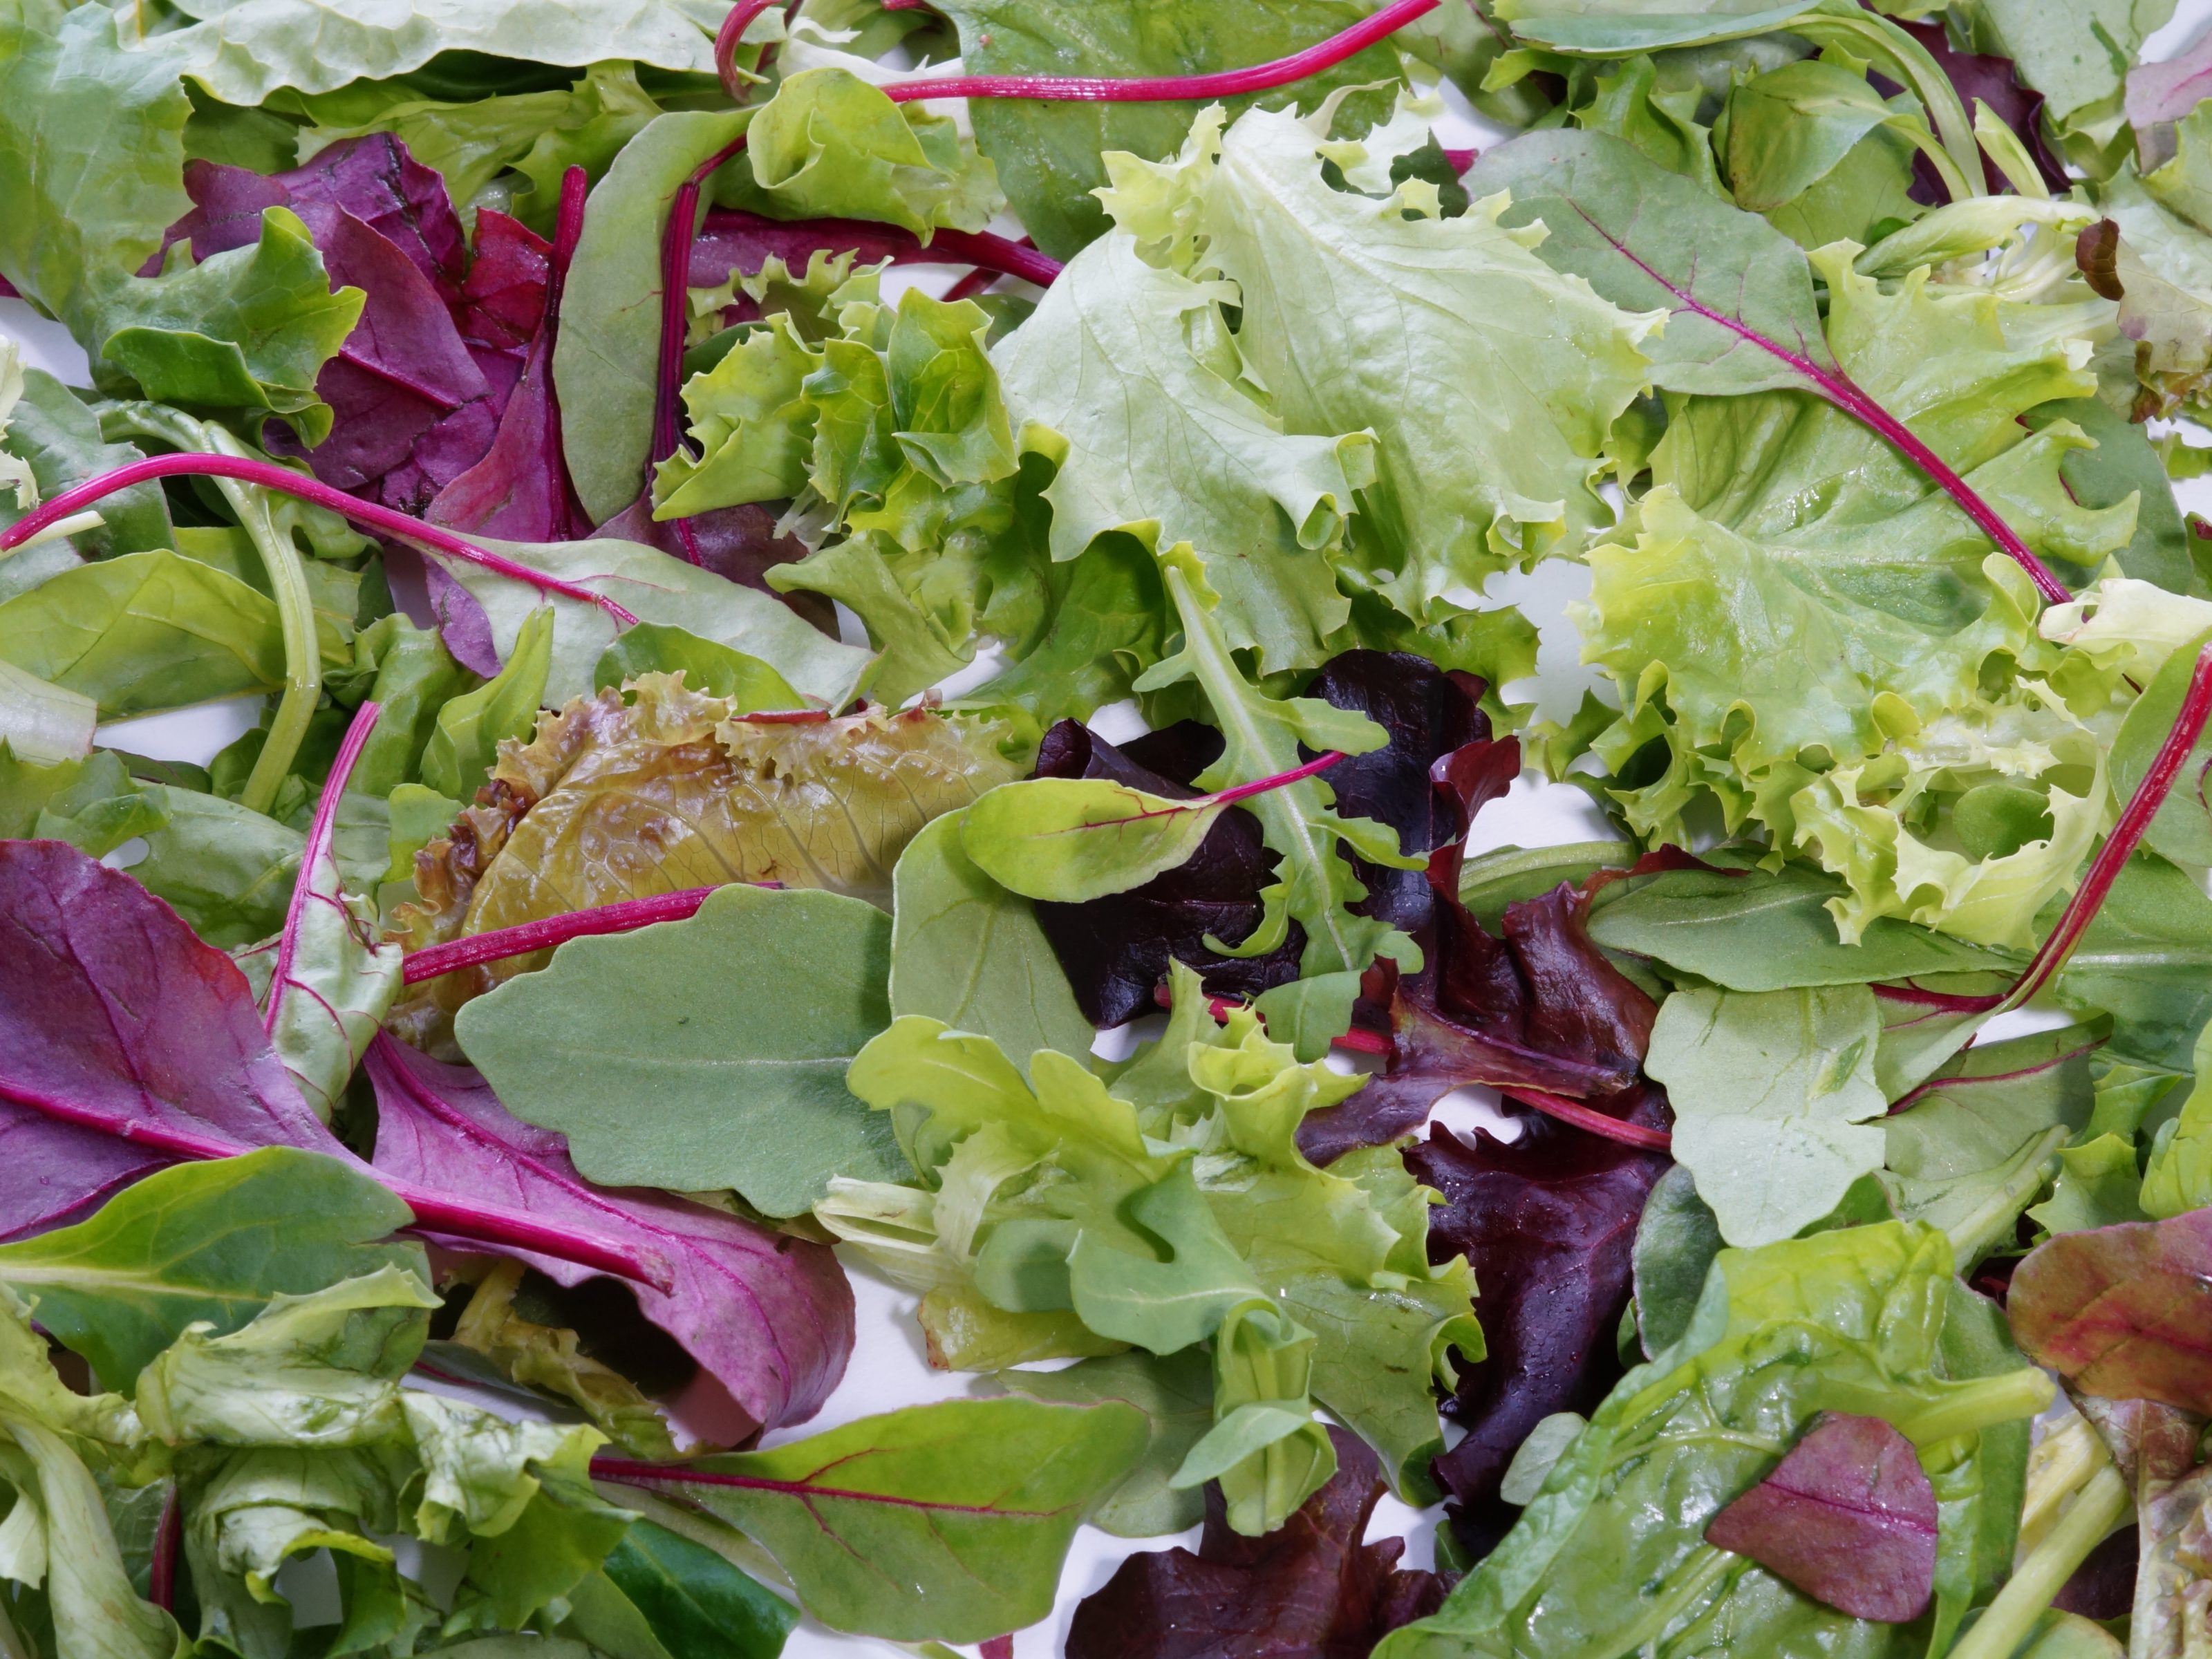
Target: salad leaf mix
[[770, 762]]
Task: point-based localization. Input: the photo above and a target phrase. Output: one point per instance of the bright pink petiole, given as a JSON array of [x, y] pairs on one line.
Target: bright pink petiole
[[2111, 857], [267, 475], [500, 943]]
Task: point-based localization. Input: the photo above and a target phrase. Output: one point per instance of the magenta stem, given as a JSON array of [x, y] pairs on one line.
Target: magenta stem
[[1838, 388], [517, 1229], [2112, 858], [1935, 1085], [520, 940], [1320, 763], [726, 41], [319, 844], [984, 249], [168, 1544], [1596, 1122], [269, 475], [675, 312], [1173, 88]]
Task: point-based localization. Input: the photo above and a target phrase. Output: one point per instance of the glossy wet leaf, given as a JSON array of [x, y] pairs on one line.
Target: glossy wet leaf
[[1072, 839]]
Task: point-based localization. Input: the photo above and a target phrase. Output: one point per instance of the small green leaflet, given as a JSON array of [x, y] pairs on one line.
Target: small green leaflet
[[465, 745], [664, 1587], [1072, 839], [704, 1053], [946, 1522], [707, 666]]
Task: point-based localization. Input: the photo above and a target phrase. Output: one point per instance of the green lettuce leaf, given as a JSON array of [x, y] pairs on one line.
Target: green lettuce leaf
[[1489, 379], [58, 1537]]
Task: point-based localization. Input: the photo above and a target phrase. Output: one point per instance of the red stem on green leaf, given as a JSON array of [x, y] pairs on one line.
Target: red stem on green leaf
[[1838, 388], [168, 1545], [266, 474], [2112, 858], [319, 832], [625, 1472], [502, 943]]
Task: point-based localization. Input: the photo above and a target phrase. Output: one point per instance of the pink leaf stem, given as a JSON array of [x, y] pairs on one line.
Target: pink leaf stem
[[168, 1545], [1838, 388], [1166, 88], [266, 474], [1596, 1122], [625, 1472], [520, 940], [675, 312], [319, 844]]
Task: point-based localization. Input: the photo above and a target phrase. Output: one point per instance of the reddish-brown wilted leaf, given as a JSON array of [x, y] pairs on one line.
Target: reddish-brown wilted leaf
[[1848, 1517], [2123, 1312]]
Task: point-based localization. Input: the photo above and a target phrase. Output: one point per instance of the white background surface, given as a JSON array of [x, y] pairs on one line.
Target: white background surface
[[888, 1369]]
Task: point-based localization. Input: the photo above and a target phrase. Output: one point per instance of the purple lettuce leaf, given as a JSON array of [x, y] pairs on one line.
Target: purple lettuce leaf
[[768, 1316], [1550, 1221], [1439, 767], [1311, 1590], [127, 1043], [1115, 951], [1848, 1517], [1540, 1009]]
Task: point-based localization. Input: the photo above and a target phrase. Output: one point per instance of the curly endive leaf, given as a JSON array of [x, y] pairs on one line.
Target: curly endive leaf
[[624, 796]]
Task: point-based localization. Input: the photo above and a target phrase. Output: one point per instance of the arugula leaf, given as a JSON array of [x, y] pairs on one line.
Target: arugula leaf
[[1771, 1091], [1371, 315], [746, 1068], [1708, 1417], [1262, 736], [211, 1242], [968, 952], [146, 631], [946, 1522], [1769, 930]]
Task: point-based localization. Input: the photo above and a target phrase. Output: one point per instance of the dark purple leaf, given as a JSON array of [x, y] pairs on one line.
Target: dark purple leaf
[[1549, 1220], [1439, 766], [379, 183], [1117, 950], [504, 301], [1310, 1591], [2104, 1586], [1540, 1009], [768, 1316], [1996, 82], [120, 1030], [1848, 1517]]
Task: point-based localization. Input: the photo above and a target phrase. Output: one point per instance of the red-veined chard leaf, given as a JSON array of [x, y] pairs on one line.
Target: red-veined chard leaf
[[2124, 1312], [946, 1522]]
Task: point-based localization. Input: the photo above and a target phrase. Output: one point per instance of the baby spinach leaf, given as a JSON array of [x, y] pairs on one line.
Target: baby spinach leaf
[[1869, 1310], [706, 666], [212, 1241], [146, 631], [1676, 1240], [695, 1603], [968, 952], [946, 1522], [1771, 1091], [737, 1024], [1175, 1394]]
